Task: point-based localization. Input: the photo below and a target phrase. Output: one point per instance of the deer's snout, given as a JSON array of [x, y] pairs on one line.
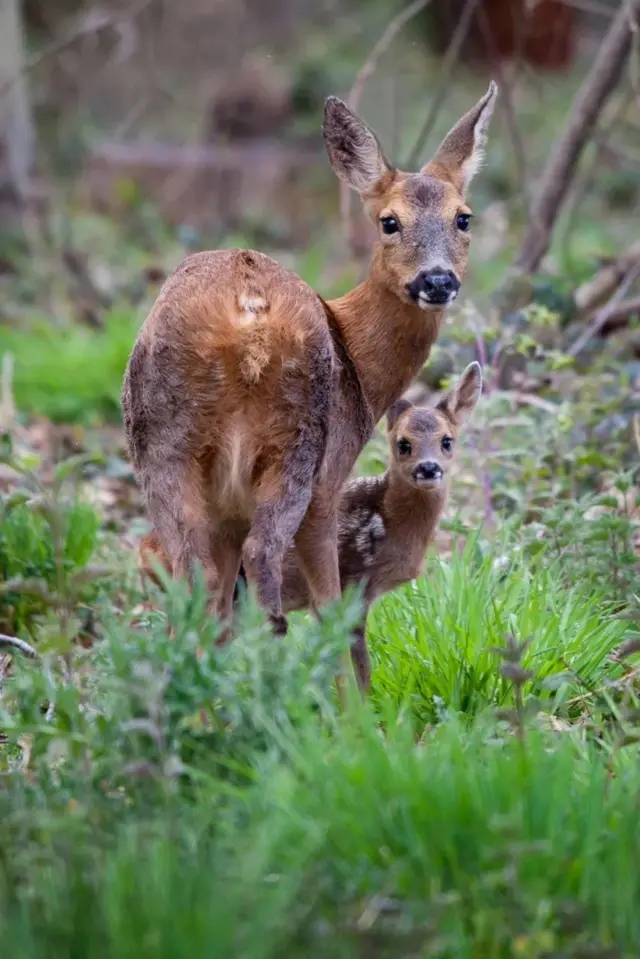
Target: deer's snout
[[435, 287], [427, 472]]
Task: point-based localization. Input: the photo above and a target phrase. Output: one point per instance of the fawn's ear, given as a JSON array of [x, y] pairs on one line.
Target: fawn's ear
[[354, 150], [395, 411], [460, 154], [461, 401]]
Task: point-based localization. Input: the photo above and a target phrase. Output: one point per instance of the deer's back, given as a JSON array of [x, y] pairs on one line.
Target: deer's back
[[234, 363]]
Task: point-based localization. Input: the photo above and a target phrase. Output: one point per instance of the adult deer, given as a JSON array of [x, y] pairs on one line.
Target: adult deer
[[247, 397]]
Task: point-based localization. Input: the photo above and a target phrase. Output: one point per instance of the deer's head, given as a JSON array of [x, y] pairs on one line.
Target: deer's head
[[423, 219]]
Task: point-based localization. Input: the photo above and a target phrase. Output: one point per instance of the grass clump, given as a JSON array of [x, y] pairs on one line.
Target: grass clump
[[71, 374], [433, 639]]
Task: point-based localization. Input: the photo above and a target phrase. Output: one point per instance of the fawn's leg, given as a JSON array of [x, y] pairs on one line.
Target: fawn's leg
[[360, 655], [280, 510]]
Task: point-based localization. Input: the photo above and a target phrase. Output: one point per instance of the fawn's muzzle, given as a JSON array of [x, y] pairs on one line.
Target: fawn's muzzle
[[427, 472], [435, 287]]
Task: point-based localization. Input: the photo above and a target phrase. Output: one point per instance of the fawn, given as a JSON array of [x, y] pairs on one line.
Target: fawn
[[247, 397], [385, 523]]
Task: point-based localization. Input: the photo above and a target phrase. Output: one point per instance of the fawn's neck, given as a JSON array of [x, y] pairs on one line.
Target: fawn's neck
[[388, 340], [412, 513]]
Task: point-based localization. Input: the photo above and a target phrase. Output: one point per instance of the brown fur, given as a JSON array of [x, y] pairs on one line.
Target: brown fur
[[385, 523], [247, 398]]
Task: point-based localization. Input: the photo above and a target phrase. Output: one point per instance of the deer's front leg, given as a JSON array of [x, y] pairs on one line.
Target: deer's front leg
[[317, 550]]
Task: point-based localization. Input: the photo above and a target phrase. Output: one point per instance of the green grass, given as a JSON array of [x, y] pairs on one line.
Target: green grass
[[433, 639], [71, 374]]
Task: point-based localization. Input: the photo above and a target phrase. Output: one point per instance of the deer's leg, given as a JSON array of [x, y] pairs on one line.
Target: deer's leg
[[179, 510], [227, 558], [317, 551], [280, 509]]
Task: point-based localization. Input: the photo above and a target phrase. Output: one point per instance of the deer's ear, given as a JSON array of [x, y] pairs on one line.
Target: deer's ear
[[461, 401], [460, 154], [395, 411], [354, 150]]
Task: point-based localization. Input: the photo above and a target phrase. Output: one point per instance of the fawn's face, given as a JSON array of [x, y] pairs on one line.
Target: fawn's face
[[422, 218], [423, 440]]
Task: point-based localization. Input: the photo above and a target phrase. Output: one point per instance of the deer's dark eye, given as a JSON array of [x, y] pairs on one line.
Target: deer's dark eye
[[404, 447], [447, 444], [389, 225], [463, 221]]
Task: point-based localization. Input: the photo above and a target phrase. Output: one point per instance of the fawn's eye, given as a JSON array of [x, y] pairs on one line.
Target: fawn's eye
[[463, 221], [404, 447], [389, 224], [447, 444]]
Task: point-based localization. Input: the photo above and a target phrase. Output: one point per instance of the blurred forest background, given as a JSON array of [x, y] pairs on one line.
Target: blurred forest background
[[135, 131]]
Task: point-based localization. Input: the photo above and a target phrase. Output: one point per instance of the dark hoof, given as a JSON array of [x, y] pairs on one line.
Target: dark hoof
[[279, 624]]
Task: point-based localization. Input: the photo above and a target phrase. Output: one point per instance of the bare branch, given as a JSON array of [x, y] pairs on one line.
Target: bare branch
[[599, 83], [450, 60], [603, 316], [14, 643]]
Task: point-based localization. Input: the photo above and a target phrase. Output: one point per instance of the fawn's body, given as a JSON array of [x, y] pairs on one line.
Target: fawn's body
[[247, 397], [386, 522]]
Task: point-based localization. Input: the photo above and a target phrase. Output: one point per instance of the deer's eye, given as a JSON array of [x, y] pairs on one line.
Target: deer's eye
[[404, 447], [389, 225], [447, 444], [463, 221]]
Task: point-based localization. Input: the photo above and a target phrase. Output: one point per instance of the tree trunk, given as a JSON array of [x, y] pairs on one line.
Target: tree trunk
[[16, 127]]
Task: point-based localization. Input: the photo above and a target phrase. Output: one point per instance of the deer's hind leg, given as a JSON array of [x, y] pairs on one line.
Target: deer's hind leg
[[179, 509]]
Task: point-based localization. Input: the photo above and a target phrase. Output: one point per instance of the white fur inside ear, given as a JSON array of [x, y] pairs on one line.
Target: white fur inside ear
[[480, 133]]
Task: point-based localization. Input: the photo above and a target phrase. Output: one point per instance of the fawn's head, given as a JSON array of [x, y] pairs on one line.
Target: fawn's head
[[422, 218], [423, 439]]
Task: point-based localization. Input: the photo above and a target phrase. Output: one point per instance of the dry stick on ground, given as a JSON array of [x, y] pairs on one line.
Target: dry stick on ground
[[620, 317], [14, 643], [588, 296], [599, 83], [605, 314], [364, 74], [450, 59]]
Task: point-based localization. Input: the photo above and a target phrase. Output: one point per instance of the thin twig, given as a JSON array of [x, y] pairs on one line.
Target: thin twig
[[448, 63], [588, 103], [605, 314], [363, 76], [19, 644], [506, 100], [89, 24]]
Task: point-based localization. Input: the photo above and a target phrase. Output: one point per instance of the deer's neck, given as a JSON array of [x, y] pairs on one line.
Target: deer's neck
[[388, 340]]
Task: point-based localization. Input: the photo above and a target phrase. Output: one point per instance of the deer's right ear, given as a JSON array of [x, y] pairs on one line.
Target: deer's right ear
[[354, 150], [460, 403], [395, 411]]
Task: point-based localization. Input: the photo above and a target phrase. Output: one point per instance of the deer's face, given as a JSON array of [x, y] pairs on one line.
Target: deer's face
[[423, 229], [423, 440], [422, 219]]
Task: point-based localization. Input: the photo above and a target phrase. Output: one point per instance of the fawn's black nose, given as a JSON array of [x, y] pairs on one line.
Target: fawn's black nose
[[435, 286], [427, 472]]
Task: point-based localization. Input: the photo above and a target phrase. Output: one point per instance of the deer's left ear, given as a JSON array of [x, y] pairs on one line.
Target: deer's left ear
[[460, 154]]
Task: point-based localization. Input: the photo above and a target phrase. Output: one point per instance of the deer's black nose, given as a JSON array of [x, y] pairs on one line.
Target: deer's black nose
[[437, 286], [427, 471]]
